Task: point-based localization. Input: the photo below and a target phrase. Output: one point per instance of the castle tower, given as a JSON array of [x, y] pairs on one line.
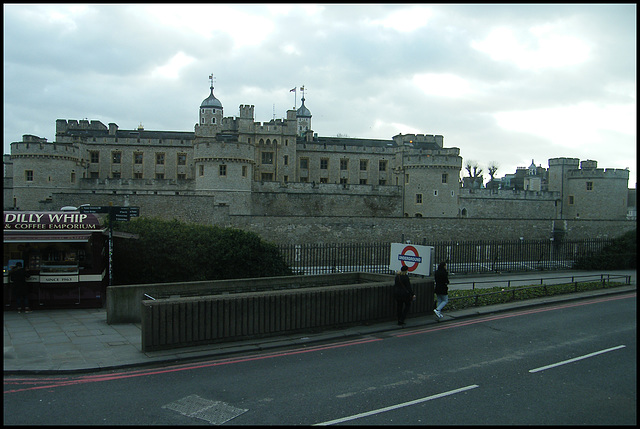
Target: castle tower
[[303, 117], [223, 162], [210, 115]]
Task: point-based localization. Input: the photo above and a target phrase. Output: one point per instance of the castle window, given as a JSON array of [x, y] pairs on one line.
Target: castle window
[[286, 160], [435, 193], [324, 180], [182, 176], [95, 156], [201, 170], [160, 158], [363, 181], [344, 164], [324, 164], [213, 120], [244, 171], [202, 121], [137, 158], [28, 175], [444, 177], [406, 178], [115, 175], [137, 175], [418, 198], [223, 170], [160, 176], [267, 177], [382, 182], [304, 163], [116, 157], [363, 164], [343, 181], [182, 159], [589, 186], [267, 157], [73, 177], [382, 165], [571, 200]]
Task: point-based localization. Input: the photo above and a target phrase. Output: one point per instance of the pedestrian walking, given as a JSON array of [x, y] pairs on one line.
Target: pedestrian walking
[[18, 277], [441, 277], [403, 293]]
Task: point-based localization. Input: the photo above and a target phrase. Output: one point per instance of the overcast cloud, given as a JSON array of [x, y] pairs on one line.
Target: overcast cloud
[[504, 83]]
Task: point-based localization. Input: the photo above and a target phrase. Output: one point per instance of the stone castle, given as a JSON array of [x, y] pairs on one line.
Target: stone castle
[[235, 171]]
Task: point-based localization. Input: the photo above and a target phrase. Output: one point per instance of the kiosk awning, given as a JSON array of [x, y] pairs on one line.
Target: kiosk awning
[[46, 237]]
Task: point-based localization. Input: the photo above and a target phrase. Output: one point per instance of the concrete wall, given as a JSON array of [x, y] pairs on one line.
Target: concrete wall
[[123, 301], [182, 322]]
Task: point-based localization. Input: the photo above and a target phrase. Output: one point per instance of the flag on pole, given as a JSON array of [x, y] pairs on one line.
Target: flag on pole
[[292, 90]]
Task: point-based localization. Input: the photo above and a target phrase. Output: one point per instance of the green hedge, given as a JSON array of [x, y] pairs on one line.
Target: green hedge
[[621, 254], [460, 299], [168, 251]]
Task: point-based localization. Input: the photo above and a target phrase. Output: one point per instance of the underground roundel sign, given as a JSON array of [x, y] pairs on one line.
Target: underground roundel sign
[[410, 257], [416, 258]]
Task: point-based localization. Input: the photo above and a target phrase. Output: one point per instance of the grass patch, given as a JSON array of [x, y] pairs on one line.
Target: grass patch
[[460, 299]]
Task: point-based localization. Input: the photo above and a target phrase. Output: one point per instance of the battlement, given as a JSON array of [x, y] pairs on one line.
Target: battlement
[[63, 125], [419, 139], [40, 147], [570, 162], [599, 173]]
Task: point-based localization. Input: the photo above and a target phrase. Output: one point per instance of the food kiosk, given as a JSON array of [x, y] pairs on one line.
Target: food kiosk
[[64, 254]]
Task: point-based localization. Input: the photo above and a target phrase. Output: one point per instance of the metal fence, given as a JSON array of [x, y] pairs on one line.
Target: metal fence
[[463, 257]]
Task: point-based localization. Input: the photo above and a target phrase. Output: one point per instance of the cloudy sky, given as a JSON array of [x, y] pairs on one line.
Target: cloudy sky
[[506, 84]]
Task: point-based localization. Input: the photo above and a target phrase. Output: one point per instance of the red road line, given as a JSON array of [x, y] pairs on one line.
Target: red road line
[[54, 382]]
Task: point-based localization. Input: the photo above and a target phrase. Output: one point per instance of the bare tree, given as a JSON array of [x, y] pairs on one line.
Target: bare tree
[[475, 172], [493, 167]]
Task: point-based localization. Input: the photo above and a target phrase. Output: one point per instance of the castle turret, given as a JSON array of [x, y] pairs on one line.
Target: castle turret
[[303, 116], [210, 116]]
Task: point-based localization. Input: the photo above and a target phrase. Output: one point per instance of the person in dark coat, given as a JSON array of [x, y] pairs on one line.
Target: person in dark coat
[[441, 277], [403, 293], [20, 288]]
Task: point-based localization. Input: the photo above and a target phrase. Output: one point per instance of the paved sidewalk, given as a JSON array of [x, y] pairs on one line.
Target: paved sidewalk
[[80, 340]]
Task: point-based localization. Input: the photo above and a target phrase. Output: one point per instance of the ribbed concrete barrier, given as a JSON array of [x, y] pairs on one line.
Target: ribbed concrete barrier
[[182, 322], [123, 301]]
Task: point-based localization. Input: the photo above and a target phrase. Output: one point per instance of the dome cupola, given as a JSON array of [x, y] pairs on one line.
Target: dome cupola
[[211, 102], [303, 112]]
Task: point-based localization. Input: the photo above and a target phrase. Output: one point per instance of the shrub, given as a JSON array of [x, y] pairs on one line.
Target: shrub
[[619, 255], [465, 298], [169, 251]]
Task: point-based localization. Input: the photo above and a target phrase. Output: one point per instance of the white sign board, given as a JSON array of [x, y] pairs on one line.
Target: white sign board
[[417, 258]]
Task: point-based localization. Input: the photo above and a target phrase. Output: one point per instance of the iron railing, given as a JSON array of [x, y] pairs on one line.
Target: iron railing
[[463, 257]]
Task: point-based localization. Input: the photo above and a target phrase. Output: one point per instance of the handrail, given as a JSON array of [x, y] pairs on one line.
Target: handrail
[[601, 277], [608, 279]]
